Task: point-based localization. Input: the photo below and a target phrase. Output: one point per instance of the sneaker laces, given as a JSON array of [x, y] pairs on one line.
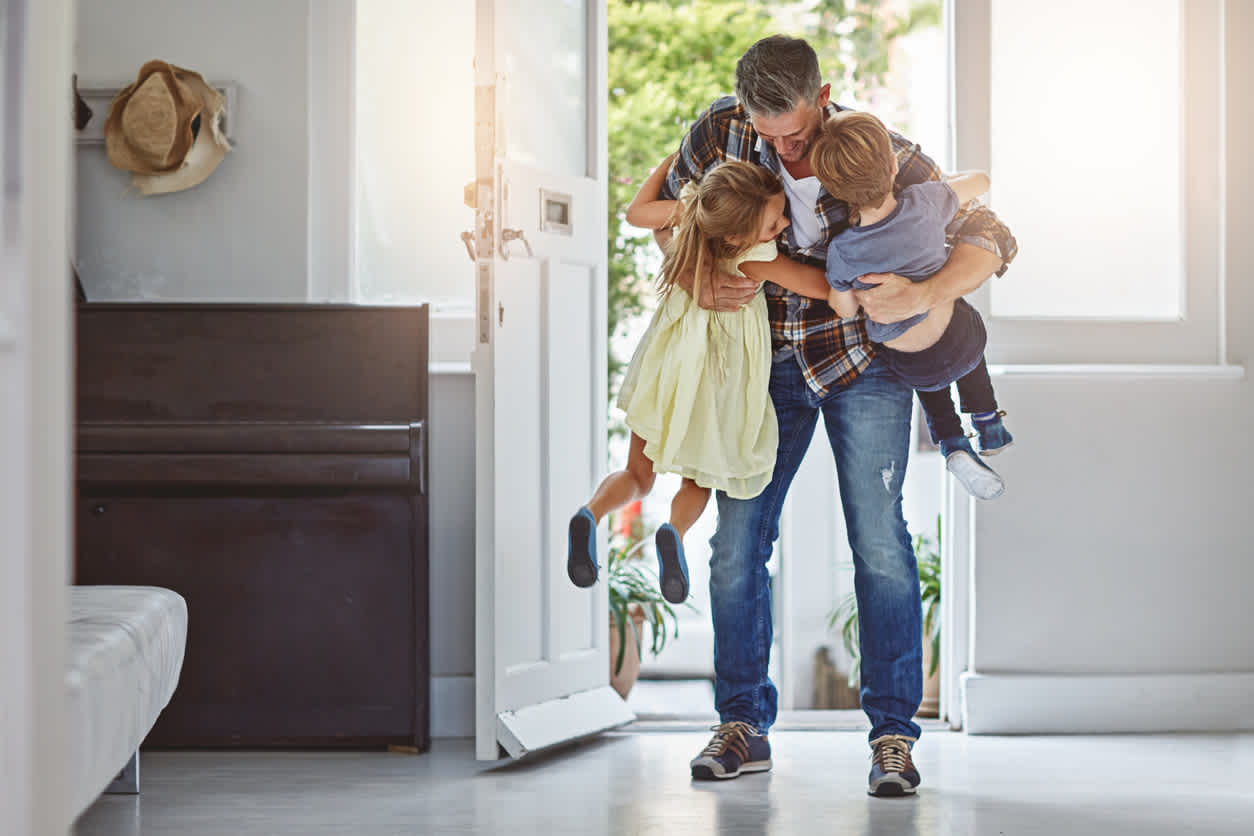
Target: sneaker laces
[[729, 734], [892, 753]]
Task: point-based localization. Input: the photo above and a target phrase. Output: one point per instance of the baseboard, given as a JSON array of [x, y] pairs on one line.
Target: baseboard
[[1083, 704], [452, 706]]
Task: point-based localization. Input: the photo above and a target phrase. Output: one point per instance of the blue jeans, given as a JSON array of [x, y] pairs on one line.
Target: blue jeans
[[868, 426]]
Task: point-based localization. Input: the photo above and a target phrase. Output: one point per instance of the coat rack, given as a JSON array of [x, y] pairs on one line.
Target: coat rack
[[98, 98]]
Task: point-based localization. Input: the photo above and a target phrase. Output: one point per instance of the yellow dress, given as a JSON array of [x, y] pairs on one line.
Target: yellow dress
[[697, 391]]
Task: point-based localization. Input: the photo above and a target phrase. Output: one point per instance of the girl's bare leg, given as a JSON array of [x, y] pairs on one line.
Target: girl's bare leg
[[615, 491], [624, 486], [688, 505]]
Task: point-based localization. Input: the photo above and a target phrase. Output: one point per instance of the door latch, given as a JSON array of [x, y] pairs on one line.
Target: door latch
[[508, 235]]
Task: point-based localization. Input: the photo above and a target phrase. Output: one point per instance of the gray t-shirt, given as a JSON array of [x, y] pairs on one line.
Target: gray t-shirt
[[909, 242]]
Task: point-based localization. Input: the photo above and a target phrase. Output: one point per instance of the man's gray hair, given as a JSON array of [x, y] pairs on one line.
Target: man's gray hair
[[776, 74]]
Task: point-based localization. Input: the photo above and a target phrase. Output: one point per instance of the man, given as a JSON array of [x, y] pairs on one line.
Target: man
[[822, 366]]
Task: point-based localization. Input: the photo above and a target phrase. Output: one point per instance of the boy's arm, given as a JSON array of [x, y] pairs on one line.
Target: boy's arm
[[968, 185], [647, 209]]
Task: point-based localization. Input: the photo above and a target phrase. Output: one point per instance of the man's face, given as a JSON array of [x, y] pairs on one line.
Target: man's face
[[791, 133]]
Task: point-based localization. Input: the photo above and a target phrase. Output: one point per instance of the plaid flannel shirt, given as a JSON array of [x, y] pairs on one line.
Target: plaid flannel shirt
[[831, 351]]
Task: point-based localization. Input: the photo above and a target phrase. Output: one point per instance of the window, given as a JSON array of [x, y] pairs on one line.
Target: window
[[414, 153], [1100, 123]]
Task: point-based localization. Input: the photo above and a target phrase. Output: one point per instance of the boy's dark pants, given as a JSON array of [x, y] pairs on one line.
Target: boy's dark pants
[[957, 356]]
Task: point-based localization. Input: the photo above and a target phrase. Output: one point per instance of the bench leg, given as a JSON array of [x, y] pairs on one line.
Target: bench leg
[[127, 781]]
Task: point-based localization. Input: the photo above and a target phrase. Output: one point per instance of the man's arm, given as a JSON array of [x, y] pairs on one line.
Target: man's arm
[[980, 246], [719, 291], [895, 297], [974, 224], [967, 185]]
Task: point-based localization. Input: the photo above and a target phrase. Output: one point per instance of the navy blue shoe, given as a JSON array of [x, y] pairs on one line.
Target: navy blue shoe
[[994, 437], [980, 480], [581, 549], [672, 568], [892, 768], [735, 748]]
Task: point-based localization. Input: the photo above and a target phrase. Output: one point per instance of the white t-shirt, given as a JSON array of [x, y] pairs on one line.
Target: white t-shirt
[[803, 197]]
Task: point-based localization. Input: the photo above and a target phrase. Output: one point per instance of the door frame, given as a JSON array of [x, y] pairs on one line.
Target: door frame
[[36, 304]]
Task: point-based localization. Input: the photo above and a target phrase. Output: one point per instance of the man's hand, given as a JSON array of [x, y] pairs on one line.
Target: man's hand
[[722, 291], [893, 298], [896, 298]]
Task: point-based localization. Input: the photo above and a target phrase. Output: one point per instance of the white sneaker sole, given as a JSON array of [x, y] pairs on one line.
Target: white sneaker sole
[[891, 786], [711, 769], [997, 450], [980, 481]]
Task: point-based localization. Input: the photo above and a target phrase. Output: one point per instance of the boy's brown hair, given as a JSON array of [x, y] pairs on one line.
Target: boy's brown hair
[[853, 158]]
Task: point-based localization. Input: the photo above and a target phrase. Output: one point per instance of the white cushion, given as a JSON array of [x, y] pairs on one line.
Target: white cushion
[[125, 655]]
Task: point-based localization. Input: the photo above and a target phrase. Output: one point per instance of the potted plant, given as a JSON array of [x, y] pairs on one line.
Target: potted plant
[[845, 617], [635, 598]]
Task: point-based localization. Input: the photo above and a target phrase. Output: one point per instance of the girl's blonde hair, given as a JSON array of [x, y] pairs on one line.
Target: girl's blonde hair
[[853, 158], [728, 202]]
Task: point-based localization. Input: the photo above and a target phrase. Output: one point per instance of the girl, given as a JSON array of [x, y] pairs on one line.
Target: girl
[[695, 393]]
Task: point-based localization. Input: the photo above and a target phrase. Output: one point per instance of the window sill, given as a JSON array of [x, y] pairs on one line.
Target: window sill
[[1121, 370]]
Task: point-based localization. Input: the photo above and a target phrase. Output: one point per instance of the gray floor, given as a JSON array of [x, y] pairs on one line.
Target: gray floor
[[637, 783]]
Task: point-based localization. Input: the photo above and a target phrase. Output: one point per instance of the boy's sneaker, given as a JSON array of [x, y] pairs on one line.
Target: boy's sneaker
[[581, 548], [672, 568], [994, 437], [892, 769], [980, 480], [735, 748]]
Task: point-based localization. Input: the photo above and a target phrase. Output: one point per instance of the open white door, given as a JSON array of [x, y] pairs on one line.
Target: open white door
[[541, 661]]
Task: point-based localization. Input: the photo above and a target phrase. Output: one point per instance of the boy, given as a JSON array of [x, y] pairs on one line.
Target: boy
[[852, 158]]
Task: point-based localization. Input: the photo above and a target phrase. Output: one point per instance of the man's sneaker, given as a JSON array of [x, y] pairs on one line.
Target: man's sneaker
[[892, 770], [735, 748], [980, 480], [994, 437]]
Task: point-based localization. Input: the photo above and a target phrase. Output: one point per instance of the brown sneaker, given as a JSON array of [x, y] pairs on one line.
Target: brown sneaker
[[735, 748], [892, 769]]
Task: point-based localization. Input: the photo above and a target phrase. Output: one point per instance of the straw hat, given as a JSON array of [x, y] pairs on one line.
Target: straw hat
[[166, 129]]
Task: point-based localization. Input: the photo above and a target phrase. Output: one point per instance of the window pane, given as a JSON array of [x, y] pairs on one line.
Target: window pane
[[546, 124], [414, 151], [1086, 157]]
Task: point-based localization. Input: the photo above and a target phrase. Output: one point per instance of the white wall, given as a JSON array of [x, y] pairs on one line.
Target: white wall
[[240, 235], [452, 509], [1111, 584]]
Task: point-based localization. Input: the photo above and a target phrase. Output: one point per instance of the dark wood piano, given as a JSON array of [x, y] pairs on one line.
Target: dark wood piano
[[267, 462]]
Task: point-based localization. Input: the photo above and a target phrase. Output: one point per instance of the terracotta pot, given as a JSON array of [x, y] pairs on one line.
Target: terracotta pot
[[623, 681], [930, 707]]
